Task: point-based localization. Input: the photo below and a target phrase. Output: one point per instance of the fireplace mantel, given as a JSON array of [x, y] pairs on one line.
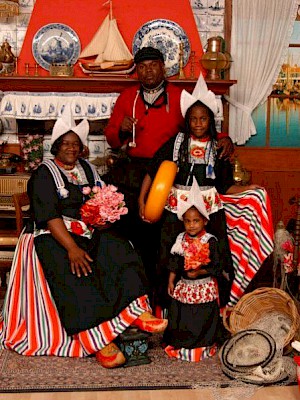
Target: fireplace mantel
[[93, 84]]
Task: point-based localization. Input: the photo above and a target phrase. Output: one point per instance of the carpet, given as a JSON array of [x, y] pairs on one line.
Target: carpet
[[47, 374]]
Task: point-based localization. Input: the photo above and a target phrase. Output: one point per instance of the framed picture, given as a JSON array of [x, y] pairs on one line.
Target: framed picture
[[277, 120]]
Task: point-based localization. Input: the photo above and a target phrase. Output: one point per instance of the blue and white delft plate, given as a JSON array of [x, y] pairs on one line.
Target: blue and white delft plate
[[55, 44], [166, 36]]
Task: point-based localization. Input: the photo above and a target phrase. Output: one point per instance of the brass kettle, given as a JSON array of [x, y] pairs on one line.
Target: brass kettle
[[240, 175]]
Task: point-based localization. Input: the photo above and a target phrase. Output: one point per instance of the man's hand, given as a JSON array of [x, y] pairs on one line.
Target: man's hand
[[127, 124], [227, 147]]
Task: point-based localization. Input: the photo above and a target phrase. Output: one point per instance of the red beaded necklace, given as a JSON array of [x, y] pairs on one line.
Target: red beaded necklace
[[64, 166]]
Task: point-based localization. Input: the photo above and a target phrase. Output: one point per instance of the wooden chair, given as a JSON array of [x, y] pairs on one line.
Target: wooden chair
[[9, 237], [21, 203]]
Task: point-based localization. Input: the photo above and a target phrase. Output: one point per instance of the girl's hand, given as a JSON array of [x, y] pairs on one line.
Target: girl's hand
[[194, 273], [79, 261], [170, 288], [141, 209], [227, 148], [235, 189], [253, 186], [142, 212]]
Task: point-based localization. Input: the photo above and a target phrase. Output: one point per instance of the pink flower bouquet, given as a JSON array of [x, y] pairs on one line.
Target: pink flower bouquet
[[105, 205]]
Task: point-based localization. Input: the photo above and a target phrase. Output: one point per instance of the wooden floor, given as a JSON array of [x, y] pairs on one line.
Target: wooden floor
[[267, 393]]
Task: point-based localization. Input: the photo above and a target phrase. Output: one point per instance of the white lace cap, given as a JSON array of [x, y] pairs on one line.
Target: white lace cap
[[195, 198], [201, 93], [66, 123]]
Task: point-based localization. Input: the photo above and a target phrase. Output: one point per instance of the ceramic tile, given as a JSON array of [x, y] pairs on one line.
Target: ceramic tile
[[199, 4], [23, 20], [214, 5], [215, 23]]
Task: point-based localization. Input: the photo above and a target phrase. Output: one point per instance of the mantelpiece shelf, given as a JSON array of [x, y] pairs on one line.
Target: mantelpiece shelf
[[93, 84]]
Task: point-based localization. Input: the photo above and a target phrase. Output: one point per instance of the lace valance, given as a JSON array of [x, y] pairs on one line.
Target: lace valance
[[45, 106]]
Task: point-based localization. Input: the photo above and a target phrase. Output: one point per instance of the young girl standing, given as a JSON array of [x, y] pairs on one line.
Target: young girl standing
[[196, 155], [194, 311]]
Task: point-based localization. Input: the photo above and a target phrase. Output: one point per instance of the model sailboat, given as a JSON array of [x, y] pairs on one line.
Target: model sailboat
[[108, 48]]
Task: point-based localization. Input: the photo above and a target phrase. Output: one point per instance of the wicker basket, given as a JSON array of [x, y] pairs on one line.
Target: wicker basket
[[254, 305]]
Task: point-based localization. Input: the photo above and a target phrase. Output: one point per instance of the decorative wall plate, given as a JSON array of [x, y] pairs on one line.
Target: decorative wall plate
[[55, 43], [166, 36]]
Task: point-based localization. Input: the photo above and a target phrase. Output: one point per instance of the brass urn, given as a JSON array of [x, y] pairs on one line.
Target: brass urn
[[240, 175]]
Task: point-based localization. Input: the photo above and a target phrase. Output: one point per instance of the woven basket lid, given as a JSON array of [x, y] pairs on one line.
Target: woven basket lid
[[250, 356], [250, 375], [247, 349]]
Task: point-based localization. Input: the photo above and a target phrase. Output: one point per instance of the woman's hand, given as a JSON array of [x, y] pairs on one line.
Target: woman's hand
[[79, 261], [79, 258]]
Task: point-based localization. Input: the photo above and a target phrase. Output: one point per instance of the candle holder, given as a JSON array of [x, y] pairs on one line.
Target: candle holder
[[29, 67], [181, 72], [16, 65], [26, 68], [192, 70]]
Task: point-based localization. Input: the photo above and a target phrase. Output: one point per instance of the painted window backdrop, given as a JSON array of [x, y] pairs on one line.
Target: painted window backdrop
[[277, 120]]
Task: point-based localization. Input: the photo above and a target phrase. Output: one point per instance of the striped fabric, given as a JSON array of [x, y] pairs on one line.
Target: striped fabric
[[30, 324], [250, 233], [192, 355]]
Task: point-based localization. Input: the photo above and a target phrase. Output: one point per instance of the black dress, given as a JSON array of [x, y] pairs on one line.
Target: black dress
[[172, 226], [193, 319], [117, 276]]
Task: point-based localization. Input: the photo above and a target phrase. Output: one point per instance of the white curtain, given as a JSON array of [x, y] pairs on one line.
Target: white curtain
[[260, 35]]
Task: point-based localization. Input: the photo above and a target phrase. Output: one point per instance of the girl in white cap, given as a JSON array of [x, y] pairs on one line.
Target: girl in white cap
[[196, 154], [193, 315]]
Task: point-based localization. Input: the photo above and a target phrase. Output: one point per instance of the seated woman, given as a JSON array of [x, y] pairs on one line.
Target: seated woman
[[72, 289]]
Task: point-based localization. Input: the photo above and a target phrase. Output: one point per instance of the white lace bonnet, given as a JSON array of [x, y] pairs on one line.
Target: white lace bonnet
[[194, 198], [66, 123], [201, 93]]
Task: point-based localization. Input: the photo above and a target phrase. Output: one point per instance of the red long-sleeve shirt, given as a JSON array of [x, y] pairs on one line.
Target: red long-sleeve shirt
[[155, 126]]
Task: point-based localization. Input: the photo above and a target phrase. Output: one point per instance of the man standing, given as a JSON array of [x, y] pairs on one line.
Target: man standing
[[145, 116]]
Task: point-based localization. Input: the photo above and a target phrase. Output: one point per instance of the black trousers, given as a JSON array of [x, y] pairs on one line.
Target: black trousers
[[128, 174]]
